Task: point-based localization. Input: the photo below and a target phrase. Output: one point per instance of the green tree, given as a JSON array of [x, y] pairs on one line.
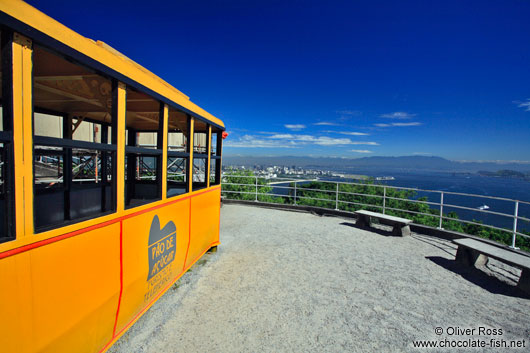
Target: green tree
[[241, 185]]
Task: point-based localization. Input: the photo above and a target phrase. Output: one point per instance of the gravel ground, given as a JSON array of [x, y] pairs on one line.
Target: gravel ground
[[296, 282]]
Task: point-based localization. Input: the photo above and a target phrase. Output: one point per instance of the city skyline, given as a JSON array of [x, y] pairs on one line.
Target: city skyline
[[337, 79]]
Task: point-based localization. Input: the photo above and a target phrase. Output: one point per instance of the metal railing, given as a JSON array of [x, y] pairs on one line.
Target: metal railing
[[294, 192]]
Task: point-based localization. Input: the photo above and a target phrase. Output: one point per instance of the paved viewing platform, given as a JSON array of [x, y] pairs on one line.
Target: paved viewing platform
[[286, 281]]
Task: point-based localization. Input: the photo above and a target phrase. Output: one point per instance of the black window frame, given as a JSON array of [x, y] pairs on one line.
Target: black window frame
[[132, 155], [182, 155], [201, 156], [216, 158], [68, 144], [8, 233]]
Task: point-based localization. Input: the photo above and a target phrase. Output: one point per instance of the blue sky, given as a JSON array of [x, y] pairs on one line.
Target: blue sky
[[336, 78]]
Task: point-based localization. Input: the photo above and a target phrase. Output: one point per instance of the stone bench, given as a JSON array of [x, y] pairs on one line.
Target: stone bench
[[400, 225], [472, 252]]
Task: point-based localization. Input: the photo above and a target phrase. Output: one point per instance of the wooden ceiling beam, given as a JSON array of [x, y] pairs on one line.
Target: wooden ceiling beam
[[92, 101], [64, 77]]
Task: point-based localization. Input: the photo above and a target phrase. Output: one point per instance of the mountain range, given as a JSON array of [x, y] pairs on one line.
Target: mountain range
[[404, 163]]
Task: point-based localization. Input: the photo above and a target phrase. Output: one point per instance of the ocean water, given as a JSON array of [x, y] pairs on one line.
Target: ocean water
[[514, 189]]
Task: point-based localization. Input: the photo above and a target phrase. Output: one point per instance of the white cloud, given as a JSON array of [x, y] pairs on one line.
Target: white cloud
[[326, 123], [329, 141], [525, 105], [398, 115], [291, 141], [295, 127], [350, 133], [248, 141], [399, 124], [320, 140], [365, 143], [281, 136], [361, 151], [407, 124]]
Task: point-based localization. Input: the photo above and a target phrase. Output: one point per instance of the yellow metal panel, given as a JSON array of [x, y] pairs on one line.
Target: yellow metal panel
[[35, 238], [154, 250], [70, 277], [209, 144], [204, 223], [120, 158], [15, 310], [75, 290], [164, 152], [101, 52], [190, 144], [22, 134]]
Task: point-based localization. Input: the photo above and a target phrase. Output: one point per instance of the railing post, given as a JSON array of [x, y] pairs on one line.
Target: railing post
[[384, 199], [441, 208], [515, 215], [256, 188], [295, 193], [337, 198]]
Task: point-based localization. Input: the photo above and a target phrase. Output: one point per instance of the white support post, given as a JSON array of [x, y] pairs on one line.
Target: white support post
[[337, 198], [441, 209], [295, 193], [515, 215], [384, 199], [256, 188]]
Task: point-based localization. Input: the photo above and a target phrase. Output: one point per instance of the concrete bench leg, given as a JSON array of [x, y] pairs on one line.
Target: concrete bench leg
[[401, 230], [524, 281], [363, 221], [470, 257]]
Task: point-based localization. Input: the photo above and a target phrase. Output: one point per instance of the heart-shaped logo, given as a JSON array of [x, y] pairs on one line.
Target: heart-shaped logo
[[162, 246]]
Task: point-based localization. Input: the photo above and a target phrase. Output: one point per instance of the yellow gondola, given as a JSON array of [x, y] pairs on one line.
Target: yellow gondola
[[110, 187]]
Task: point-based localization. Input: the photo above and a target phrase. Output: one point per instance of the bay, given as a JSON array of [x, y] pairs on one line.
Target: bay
[[510, 188]]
